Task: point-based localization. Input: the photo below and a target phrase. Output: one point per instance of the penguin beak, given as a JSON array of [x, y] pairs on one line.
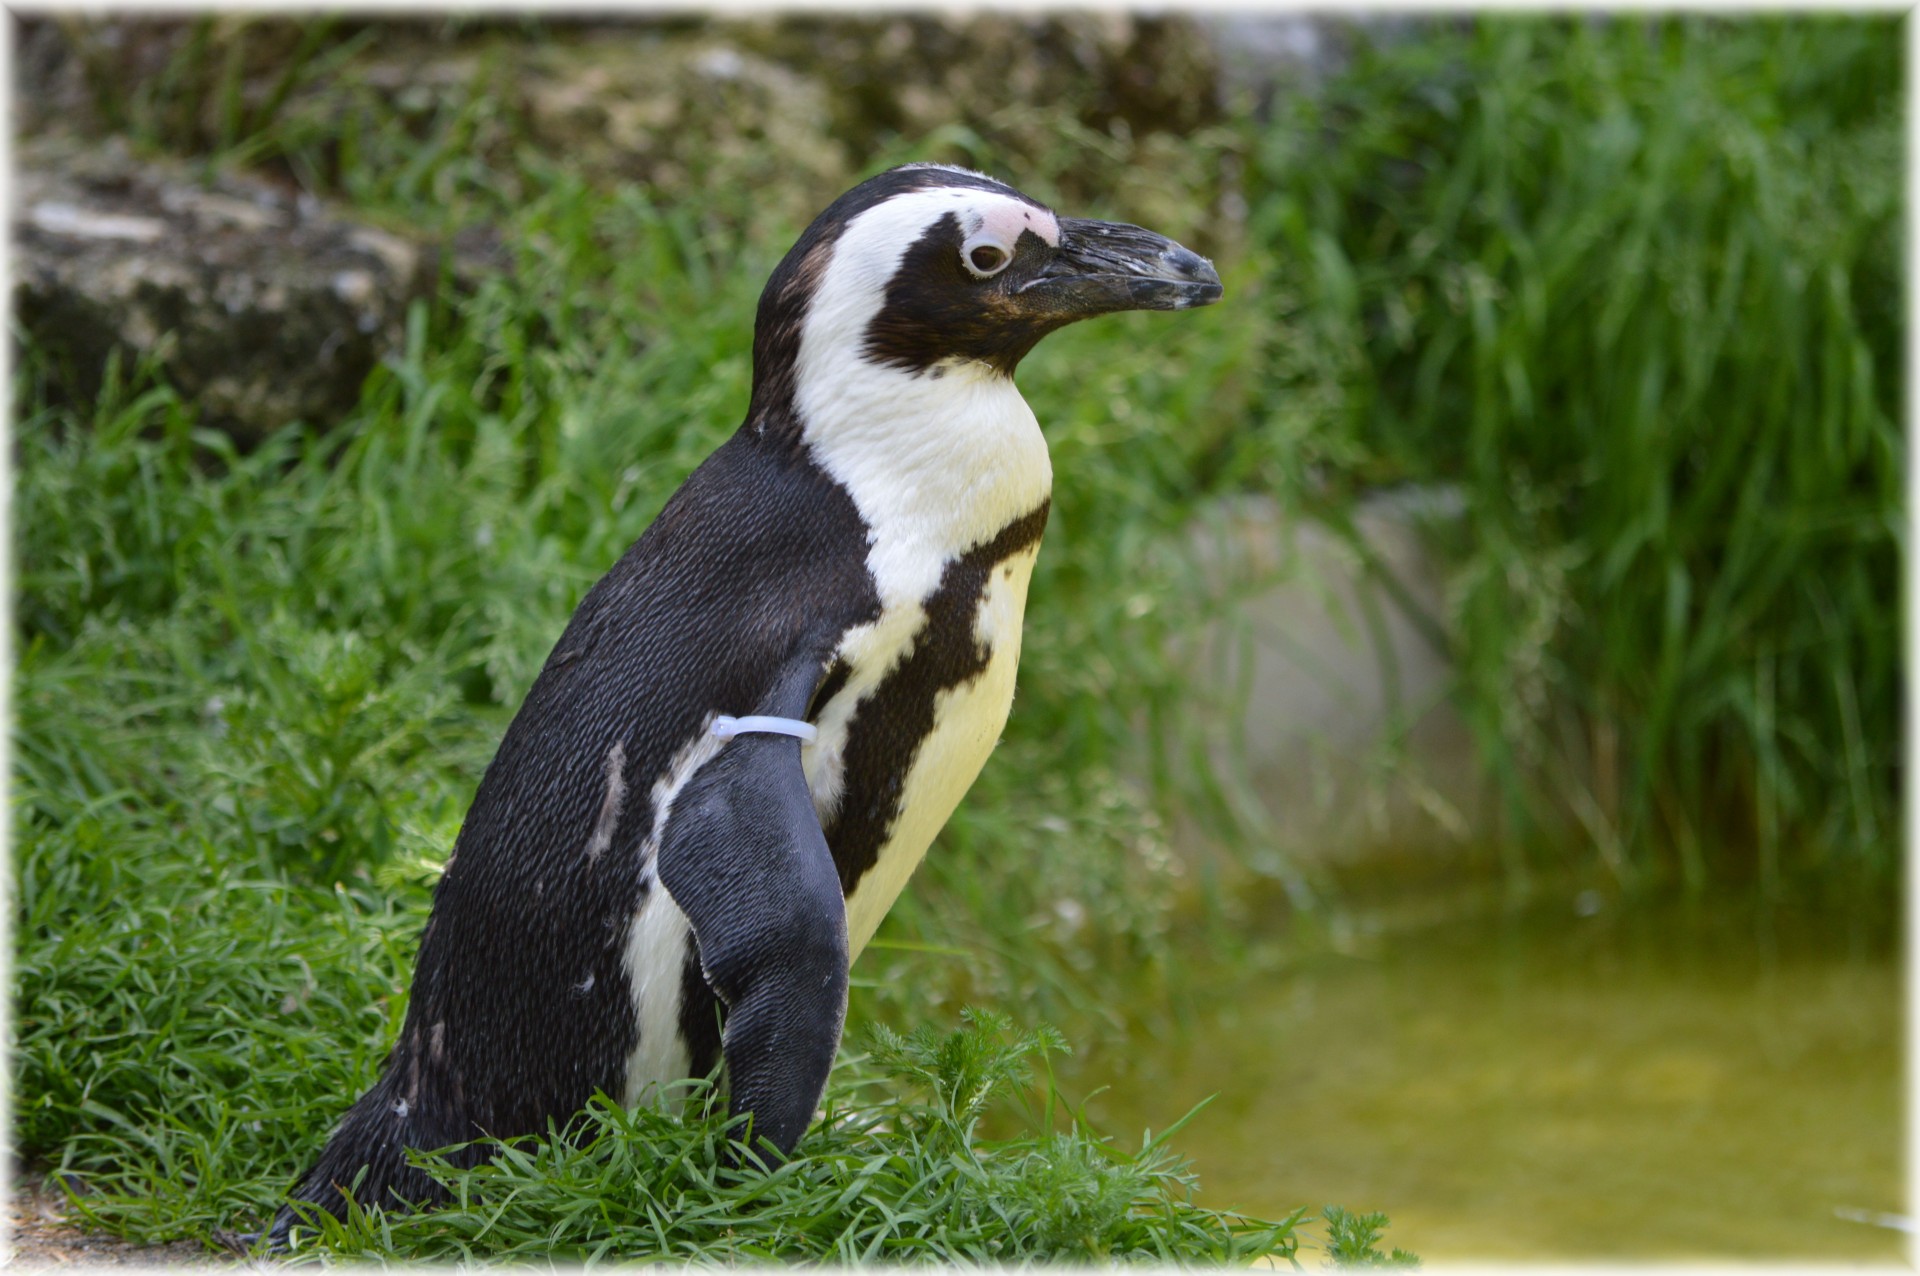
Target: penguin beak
[[1101, 267]]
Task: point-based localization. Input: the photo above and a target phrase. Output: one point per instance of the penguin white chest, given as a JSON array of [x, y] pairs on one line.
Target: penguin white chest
[[950, 474], [967, 717]]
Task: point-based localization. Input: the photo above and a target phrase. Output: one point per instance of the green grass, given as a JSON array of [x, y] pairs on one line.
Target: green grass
[[896, 1171], [1631, 288], [1635, 288]]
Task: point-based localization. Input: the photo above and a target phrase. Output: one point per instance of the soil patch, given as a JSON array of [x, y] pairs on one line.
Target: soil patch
[[43, 1235]]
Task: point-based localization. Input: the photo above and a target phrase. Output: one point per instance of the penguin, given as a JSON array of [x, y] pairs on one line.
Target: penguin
[[753, 726]]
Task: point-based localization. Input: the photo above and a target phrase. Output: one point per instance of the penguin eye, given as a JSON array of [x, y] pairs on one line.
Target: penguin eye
[[984, 260]]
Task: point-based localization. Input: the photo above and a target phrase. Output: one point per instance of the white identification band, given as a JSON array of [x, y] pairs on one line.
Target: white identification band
[[727, 728]]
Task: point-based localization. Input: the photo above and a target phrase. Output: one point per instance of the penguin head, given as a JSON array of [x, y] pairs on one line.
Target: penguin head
[[927, 267]]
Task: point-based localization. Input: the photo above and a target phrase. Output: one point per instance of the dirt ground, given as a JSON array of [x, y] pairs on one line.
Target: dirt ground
[[39, 1235]]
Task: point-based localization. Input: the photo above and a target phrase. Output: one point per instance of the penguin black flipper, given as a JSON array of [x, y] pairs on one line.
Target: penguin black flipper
[[744, 857]]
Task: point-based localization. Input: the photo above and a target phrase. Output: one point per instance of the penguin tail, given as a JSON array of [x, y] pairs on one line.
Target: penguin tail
[[365, 1161]]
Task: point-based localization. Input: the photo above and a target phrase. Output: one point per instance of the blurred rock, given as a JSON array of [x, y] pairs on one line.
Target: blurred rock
[[1099, 101], [1262, 56], [796, 107], [48, 86], [1330, 685], [684, 112], [267, 308], [262, 307], [913, 74], [182, 81]]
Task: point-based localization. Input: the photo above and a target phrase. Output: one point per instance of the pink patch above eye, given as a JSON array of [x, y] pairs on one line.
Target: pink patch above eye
[[1004, 221]]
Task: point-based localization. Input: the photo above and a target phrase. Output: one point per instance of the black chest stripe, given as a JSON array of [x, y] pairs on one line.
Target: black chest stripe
[[829, 688], [886, 733]]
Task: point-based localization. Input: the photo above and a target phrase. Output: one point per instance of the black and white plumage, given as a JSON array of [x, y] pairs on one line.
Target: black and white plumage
[[856, 555]]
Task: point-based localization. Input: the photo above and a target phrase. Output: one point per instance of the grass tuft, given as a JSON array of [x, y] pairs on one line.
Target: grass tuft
[[894, 1172], [1632, 288]]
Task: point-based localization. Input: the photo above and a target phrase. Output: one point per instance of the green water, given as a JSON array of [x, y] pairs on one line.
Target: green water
[[1649, 1080]]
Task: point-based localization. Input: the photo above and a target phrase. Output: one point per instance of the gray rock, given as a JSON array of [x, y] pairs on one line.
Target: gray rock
[[798, 107], [1329, 691], [261, 307], [1265, 55], [793, 106]]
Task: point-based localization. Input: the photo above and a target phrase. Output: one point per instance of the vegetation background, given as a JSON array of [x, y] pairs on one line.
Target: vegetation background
[[1627, 291]]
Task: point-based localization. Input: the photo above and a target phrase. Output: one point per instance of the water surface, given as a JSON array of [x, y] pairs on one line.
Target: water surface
[[1647, 1080]]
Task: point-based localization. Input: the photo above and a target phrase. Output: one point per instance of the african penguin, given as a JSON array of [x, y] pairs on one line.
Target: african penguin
[[634, 898]]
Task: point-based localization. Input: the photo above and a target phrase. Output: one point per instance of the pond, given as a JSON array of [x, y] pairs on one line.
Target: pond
[[1582, 1078]]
